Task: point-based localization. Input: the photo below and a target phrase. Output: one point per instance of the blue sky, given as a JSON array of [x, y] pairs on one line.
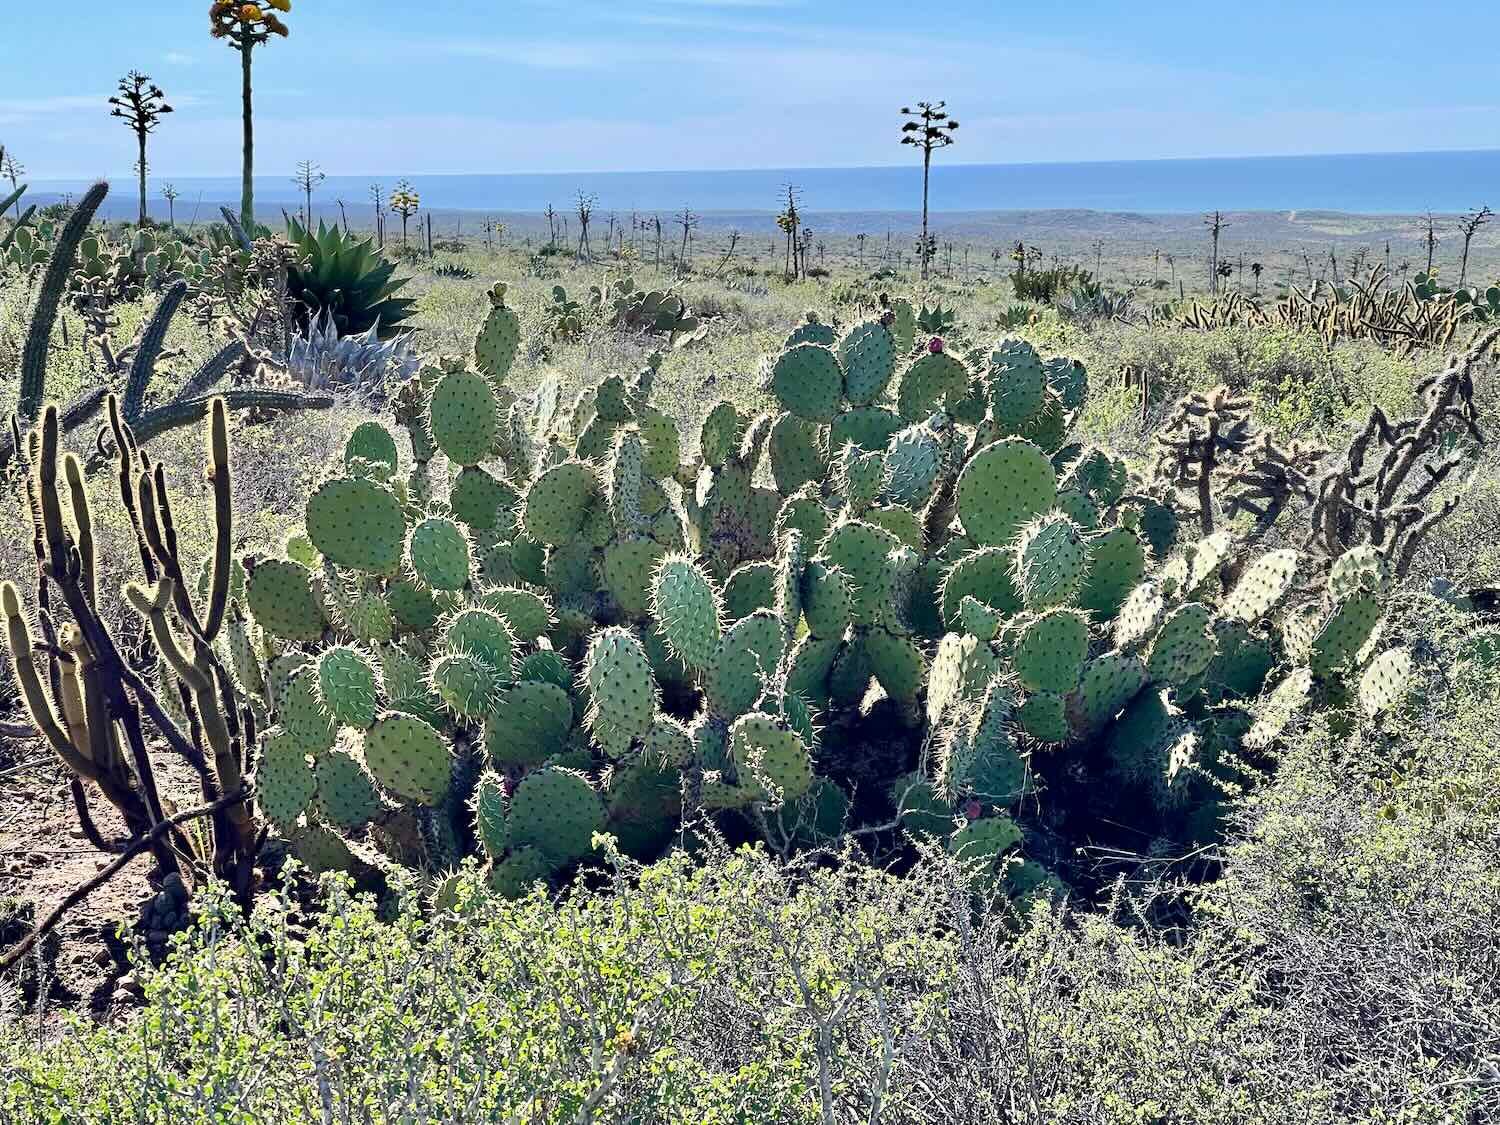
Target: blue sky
[[392, 87]]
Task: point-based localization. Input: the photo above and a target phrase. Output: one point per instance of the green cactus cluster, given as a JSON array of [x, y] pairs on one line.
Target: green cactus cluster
[[902, 596], [659, 312]]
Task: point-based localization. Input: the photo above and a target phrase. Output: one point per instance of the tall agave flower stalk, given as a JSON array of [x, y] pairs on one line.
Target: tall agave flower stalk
[[247, 26]]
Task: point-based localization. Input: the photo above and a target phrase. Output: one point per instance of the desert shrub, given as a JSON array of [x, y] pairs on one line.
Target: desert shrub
[[1342, 970], [1466, 549], [1300, 389]]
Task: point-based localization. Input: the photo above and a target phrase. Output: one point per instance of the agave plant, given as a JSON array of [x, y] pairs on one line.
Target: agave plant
[[345, 279], [362, 365], [1091, 303]]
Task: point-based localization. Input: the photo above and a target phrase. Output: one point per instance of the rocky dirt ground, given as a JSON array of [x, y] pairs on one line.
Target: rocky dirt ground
[[83, 963]]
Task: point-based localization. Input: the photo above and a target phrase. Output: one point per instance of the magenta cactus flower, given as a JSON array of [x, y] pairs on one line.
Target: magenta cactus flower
[[935, 345]]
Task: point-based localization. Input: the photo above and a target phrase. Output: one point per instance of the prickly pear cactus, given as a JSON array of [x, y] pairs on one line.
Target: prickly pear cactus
[[904, 585]]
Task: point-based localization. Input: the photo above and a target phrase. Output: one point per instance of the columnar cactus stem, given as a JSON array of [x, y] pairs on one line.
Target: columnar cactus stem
[[54, 283], [83, 523], [143, 365]]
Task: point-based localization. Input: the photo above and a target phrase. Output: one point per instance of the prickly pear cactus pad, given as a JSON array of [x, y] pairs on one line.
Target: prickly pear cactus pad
[[1004, 485], [491, 815], [912, 463], [486, 635], [499, 337], [1050, 652], [373, 443], [750, 587], [559, 501], [662, 441], [827, 602], [1097, 476], [622, 691], [960, 670], [1338, 642], [977, 619], [412, 605], [1116, 562], [797, 456], [279, 594], [439, 553], [302, 714], [687, 608], [368, 617], [348, 686], [984, 574], [1078, 508], [1018, 387], [478, 499], [528, 613], [766, 748], [1262, 586], [868, 427], [1068, 379], [346, 796], [897, 664], [868, 355], [1240, 663], [628, 566], [812, 331], [1044, 717], [860, 551], [466, 685], [858, 475], [984, 841], [1188, 573], [515, 876], [719, 438], [464, 417], [1185, 645], [934, 381], [1140, 616], [557, 812], [748, 653], [284, 782], [1109, 682], [357, 524], [529, 723], [1357, 571], [976, 759], [1387, 680], [409, 758], [807, 381], [323, 849], [1050, 561]]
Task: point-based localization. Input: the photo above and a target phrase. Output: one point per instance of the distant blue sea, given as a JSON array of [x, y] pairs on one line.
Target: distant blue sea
[[1371, 183]]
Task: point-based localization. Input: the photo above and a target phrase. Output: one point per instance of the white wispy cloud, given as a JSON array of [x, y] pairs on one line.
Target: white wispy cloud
[[179, 58]]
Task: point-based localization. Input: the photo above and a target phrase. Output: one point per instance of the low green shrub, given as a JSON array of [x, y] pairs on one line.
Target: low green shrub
[[1342, 970]]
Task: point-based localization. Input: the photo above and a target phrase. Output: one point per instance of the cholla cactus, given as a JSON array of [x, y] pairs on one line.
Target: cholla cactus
[[363, 366]]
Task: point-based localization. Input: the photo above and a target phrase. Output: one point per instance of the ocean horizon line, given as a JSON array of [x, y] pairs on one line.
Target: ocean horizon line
[[1394, 183]]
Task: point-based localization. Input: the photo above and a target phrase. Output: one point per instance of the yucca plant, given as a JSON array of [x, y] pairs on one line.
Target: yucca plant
[[345, 279]]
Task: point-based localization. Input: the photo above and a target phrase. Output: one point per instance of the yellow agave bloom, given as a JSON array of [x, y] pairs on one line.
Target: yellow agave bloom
[[250, 13], [280, 5]]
